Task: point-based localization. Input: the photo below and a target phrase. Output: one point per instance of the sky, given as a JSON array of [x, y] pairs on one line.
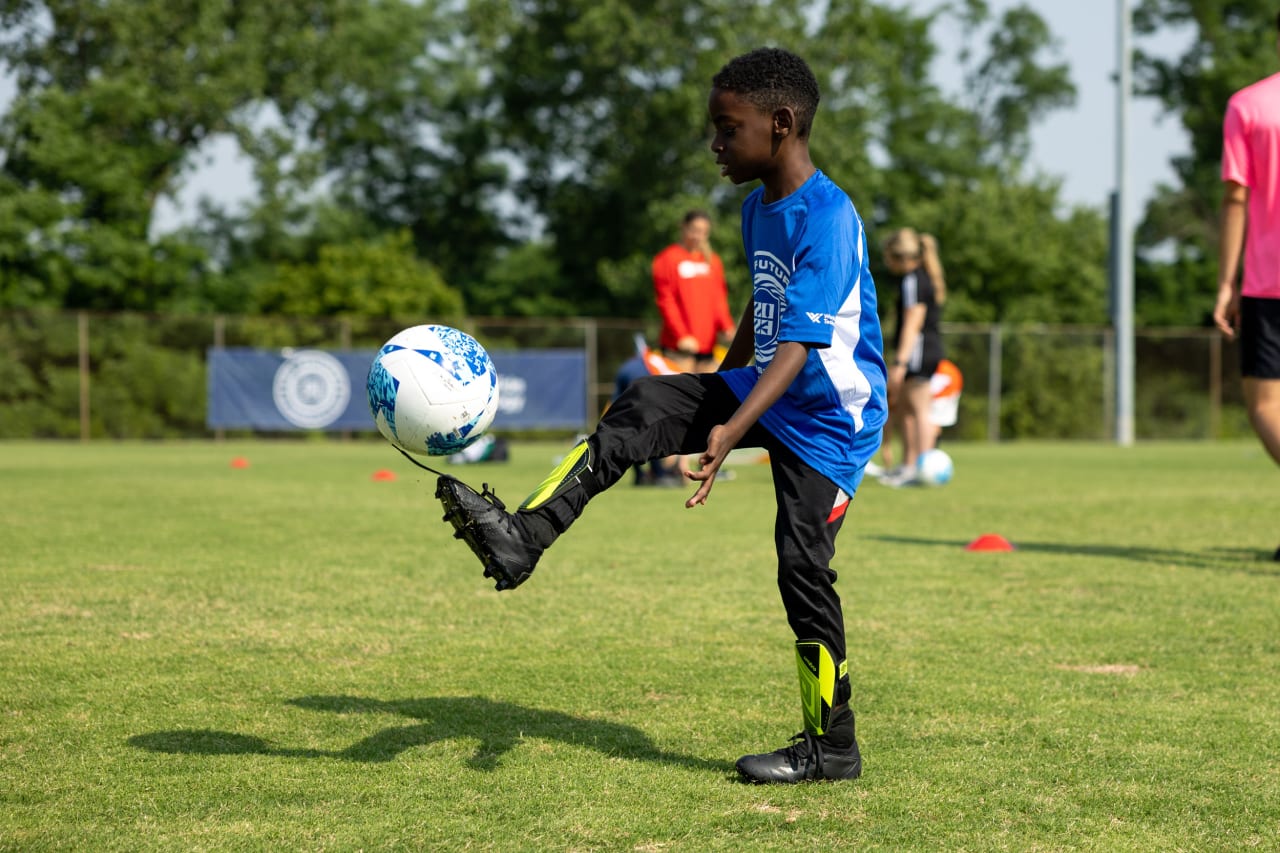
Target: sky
[[1076, 145]]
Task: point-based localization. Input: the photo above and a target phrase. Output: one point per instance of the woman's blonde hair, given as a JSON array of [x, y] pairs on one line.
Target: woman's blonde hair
[[908, 243]]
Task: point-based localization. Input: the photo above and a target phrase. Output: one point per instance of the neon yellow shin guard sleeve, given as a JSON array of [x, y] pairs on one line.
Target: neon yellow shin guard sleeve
[[819, 674], [564, 477]]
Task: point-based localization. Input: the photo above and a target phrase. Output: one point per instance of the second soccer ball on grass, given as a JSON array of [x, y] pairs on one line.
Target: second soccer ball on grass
[[934, 468]]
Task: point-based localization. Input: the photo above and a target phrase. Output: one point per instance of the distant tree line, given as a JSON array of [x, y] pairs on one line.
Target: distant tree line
[[528, 157]]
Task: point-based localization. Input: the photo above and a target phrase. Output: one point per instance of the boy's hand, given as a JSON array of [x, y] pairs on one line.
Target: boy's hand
[[719, 443]]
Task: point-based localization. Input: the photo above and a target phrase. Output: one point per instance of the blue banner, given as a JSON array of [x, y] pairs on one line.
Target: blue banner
[[541, 389], [280, 390]]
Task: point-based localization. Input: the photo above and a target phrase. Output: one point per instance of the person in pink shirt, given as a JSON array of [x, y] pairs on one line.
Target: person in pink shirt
[[1250, 227]]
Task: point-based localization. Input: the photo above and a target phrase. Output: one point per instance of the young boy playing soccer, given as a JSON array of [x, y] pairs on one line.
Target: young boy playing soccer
[[814, 398]]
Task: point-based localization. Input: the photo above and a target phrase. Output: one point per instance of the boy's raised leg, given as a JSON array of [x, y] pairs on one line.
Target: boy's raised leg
[[657, 416], [481, 520]]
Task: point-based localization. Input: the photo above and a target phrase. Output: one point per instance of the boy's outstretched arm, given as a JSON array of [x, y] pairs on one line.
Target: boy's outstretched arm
[[777, 377]]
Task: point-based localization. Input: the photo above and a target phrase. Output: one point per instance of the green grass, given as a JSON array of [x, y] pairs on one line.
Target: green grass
[[295, 656]]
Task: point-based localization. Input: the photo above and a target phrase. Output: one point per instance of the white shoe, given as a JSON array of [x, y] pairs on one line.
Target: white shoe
[[893, 473], [874, 470], [899, 477]]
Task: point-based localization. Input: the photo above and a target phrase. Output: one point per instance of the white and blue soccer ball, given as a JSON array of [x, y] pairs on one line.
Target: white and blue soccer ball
[[433, 390], [934, 467]]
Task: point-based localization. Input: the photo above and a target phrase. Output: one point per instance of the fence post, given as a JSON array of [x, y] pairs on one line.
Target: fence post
[[82, 328], [1215, 385], [1109, 384], [344, 341], [219, 342], [995, 364], [591, 333]]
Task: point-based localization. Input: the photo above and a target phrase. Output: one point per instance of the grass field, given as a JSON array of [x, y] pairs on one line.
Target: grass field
[[296, 656]]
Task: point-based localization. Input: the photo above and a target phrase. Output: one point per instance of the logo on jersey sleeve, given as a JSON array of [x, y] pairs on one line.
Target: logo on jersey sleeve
[[770, 277]]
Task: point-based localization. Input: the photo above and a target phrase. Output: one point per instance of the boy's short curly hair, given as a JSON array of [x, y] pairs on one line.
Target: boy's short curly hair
[[770, 78]]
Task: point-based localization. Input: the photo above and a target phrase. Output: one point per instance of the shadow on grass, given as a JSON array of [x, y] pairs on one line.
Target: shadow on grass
[[498, 726], [1244, 560]]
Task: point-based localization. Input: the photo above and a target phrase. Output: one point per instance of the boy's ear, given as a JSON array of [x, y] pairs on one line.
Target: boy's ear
[[784, 121]]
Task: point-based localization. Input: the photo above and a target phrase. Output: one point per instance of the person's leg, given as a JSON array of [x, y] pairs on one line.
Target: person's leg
[[1262, 401], [656, 416], [886, 443], [1260, 371], [920, 400], [811, 511]]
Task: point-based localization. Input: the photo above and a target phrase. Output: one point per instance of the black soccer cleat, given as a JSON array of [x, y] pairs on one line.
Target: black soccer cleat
[[481, 520], [808, 759]]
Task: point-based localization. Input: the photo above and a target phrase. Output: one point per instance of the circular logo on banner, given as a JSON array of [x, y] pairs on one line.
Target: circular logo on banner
[[311, 389]]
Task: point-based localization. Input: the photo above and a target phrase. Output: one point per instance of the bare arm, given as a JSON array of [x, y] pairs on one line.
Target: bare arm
[[776, 379], [743, 347], [1231, 230], [912, 324]]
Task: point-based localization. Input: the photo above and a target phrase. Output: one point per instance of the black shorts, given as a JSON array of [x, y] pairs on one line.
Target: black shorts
[[1259, 338], [924, 358]]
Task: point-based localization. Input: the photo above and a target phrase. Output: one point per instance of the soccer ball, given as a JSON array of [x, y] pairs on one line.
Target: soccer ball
[[432, 390], [935, 467]]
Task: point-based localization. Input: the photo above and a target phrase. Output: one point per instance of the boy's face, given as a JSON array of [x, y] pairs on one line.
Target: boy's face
[[744, 143]]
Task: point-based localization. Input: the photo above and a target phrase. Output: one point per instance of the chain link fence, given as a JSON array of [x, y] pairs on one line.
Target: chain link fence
[[133, 376]]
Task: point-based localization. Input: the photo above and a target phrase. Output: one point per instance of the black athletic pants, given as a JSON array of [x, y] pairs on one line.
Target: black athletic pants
[[662, 415]]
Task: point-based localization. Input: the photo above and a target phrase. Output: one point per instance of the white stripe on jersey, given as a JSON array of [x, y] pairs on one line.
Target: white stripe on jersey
[[851, 384]]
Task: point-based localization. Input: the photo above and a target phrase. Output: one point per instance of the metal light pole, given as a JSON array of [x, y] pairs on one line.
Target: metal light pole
[[1122, 251]]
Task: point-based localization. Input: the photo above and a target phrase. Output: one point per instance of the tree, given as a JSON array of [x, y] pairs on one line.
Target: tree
[[539, 152], [115, 98], [382, 277], [606, 115]]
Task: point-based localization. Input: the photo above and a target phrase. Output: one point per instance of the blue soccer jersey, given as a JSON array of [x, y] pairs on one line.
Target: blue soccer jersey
[[812, 285]]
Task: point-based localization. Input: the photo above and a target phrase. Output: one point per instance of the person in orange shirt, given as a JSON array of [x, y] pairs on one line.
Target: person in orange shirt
[[692, 298]]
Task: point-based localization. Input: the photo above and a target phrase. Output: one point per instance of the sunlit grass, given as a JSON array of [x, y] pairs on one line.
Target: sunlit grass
[[297, 656]]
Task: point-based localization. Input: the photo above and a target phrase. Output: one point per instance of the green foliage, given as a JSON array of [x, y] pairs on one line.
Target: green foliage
[[39, 379], [1174, 292], [145, 391], [1010, 256], [1051, 389], [114, 102], [538, 153], [523, 281], [377, 278]]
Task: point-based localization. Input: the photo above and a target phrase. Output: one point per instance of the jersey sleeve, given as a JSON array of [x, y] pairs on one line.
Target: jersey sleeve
[[925, 293], [1235, 146], [826, 260]]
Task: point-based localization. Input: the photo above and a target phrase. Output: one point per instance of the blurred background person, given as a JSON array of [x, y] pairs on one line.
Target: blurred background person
[[917, 277], [692, 297], [693, 302]]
